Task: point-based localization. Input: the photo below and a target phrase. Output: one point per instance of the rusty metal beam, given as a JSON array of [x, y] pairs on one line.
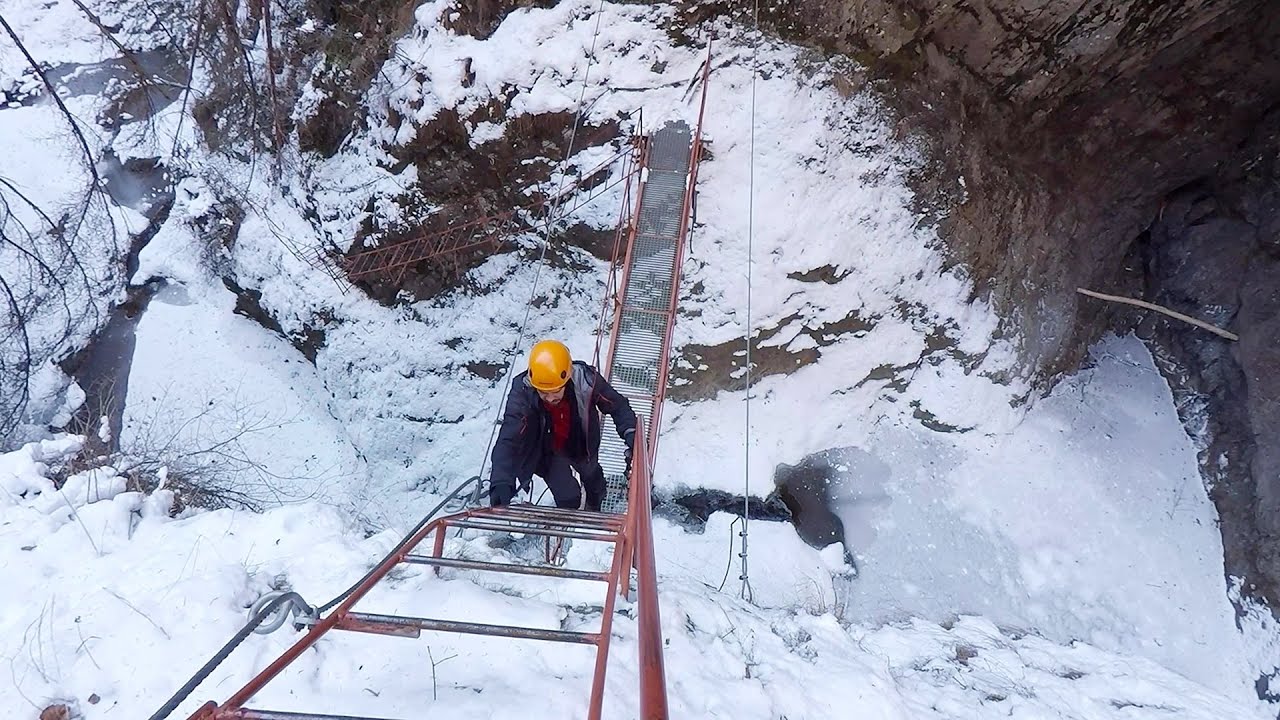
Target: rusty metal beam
[[249, 714], [471, 628], [653, 682], [490, 229], [632, 230], [606, 625], [355, 622]]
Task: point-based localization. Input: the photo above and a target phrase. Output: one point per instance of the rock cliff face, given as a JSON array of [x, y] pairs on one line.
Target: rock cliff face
[[1215, 245], [1129, 146]]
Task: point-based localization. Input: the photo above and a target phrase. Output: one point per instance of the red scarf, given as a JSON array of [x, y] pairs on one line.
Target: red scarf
[[559, 424]]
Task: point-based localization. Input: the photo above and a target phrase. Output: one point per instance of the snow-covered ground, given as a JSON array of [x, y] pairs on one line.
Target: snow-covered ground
[[117, 600], [1056, 562], [1087, 521]]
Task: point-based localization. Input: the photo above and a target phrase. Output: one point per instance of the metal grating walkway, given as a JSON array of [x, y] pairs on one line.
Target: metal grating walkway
[[638, 354]]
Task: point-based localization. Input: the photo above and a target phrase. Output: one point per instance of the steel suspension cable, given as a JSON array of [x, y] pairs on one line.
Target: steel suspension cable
[[745, 591], [277, 605]]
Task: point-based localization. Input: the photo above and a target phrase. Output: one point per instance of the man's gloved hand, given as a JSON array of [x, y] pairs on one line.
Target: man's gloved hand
[[629, 438], [500, 495]]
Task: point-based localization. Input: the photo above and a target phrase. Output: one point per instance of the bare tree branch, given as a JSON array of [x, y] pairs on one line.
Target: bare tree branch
[[142, 75], [236, 41], [277, 129], [53, 93], [22, 374], [95, 187], [191, 71], [1161, 309], [27, 200]]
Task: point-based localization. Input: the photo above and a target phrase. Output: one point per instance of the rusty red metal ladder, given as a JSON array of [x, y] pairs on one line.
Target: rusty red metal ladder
[[642, 305], [629, 534], [528, 520]]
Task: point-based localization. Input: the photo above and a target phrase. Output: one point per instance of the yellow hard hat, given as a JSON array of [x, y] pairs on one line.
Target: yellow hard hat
[[549, 365]]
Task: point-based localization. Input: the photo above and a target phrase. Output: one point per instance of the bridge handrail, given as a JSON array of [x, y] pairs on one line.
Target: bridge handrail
[[653, 683]]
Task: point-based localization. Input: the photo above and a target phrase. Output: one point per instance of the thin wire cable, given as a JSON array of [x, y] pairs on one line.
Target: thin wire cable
[[728, 561], [745, 591], [546, 241]]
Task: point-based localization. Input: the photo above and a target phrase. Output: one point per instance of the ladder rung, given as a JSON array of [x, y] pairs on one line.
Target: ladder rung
[[598, 521], [248, 714], [500, 526], [543, 570], [602, 521], [352, 623], [368, 620], [648, 311], [551, 510]]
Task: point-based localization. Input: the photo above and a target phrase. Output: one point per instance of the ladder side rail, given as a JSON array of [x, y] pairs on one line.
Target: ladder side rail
[[630, 170], [652, 672], [643, 164], [619, 573], [664, 356]]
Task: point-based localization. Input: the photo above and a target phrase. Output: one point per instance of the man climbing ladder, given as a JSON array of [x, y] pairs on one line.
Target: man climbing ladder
[[551, 427]]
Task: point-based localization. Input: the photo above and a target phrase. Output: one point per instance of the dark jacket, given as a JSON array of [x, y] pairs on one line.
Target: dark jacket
[[524, 441]]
